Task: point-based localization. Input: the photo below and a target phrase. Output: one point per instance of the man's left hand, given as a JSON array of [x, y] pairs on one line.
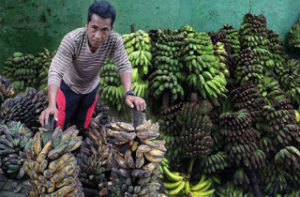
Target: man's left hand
[[132, 101]]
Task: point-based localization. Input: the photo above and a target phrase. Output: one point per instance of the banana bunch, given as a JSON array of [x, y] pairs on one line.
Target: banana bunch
[[136, 157], [178, 184], [241, 139], [94, 157], [194, 137], [100, 112], [290, 81], [24, 108], [230, 190], [268, 86], [44, 58], [232, 37], [240, 177], [138, 49], [203, 67], [14, 141], [221, 54], [23, 70], [214, 162], [248, 96], [187, 30], [6, 90], [51, 166], [111, 89], [139, 86], [168, 121], [294, 37], [289, 159], [167, 76]]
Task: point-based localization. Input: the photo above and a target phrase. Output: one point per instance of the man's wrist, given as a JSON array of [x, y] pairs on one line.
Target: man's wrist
[[130, 92]]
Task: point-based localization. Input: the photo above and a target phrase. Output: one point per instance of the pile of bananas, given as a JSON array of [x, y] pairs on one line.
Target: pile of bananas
[[290, 81], [178, 184], [23, 70], [241, 139], [204, 72], [111, 89], [14, 140], [136, 157], [230, 190], [289, 158], [24, 108], [167, 75], [214, 162], [248, 67], [94, 157], [138, 49], [247, 96], [51, 166], [195, 127], [44, 58], [294, 37], [6, 90]]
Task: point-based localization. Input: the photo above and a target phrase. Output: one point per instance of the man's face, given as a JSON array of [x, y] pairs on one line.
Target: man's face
[[98, 30]]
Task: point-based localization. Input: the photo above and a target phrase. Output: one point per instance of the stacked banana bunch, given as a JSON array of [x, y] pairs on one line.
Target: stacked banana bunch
[[168, 120], [178, 184], [204, 72], [24, 108], [14, 140], [194, 138], [136, 157], [290, 81], [294, 37], [289, 159], [111, 89], [138, 48], [232, 37], [221, 54], [248, 67], [268, 86], [230, 190], [51, 166], [241, 139], [247, 96], [214, 162], [139, 86], [44, 58], [6, 90], [240, 178], [167, 75], [23, 70], [94, 157]]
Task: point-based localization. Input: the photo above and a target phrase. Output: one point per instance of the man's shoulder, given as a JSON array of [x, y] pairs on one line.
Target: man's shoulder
[[115, 37], [76, 34]]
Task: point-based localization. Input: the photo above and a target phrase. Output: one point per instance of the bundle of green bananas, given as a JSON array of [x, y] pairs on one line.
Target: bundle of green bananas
[[230, 190], [248, 67], [93, 158], [187, 30], [289, 158], [6, 90], [247, 96], [268, 86], [178, 184], [195, 127], [14, 140], [221, 54], [44, 58], [51, 166], [111, 89], [294, 37], [166, 76], [24, 108], [203, 67], [241, 139], [138, 48], [214, 162], [232, 37], [290, 81], [136, 156], [139, 86], [23, 70]]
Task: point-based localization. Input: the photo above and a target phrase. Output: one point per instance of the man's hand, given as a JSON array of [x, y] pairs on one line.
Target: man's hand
[[44, 117], [132, 101]]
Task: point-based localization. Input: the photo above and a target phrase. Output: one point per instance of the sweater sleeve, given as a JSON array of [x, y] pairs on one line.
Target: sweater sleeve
[[61, 61], [119, 56]]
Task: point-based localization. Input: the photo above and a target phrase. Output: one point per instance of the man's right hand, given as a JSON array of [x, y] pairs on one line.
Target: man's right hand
[[44, 117]]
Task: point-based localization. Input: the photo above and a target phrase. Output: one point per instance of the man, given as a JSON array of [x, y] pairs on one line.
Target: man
[[73, 78]]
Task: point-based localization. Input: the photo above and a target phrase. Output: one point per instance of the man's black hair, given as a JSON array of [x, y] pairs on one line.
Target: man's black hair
[[103, 9]]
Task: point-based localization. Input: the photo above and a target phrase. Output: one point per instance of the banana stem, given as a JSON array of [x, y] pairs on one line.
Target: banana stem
[[190, 168]]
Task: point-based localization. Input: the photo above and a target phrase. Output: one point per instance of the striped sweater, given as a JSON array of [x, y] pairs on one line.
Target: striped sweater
[[79, 67]]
